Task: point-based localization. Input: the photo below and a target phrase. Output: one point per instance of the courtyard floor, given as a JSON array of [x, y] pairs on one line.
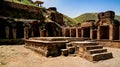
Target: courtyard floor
[[18, 56]]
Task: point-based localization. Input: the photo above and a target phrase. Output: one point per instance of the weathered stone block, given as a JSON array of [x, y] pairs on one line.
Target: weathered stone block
[[71, 50], [93, 47], [100, 56], [64, 52], [97, 51]]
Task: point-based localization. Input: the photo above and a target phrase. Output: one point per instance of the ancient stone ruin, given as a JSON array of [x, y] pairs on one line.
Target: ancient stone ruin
[[48, 34]]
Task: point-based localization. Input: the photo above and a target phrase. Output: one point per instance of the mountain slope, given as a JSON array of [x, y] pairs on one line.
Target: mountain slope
[[69, 21], [90, 16]]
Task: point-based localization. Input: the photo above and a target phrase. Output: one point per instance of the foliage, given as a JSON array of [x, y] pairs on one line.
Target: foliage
[[69, 21], [26, 2], [86, 16]]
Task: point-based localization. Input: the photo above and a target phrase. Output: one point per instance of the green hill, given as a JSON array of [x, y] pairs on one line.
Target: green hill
[[90, 16], [69, 21]]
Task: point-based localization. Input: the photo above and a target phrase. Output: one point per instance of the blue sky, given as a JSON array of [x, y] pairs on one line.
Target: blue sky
[[74, 8]]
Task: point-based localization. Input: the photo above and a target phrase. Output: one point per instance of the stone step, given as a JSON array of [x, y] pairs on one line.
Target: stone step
[[93, 47], [71, 50], [69, 45], [99, 56], [94, 51], [91, 44], [64, 52], [81, 43]]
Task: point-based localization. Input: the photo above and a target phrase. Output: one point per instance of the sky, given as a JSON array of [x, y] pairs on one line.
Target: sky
[[74, 8]]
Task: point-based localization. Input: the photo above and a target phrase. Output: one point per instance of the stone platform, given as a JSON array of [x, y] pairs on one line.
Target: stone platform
[[55, 46], [49, 46]]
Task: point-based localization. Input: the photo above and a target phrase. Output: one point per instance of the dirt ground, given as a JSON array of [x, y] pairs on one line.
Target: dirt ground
[[18, 56]]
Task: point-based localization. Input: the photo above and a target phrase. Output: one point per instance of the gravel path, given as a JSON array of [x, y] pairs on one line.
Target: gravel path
[[18, 56]]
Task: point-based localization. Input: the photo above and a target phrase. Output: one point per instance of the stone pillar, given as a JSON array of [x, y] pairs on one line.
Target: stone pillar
[[82, 32], [42, 34], [32, 33], [26, 32], [14, 30], [47, 34], [98, 33], [7, 31], [40, 31], [63, 32], [77, 32], [110, 32], [70, 31], [91, 33]]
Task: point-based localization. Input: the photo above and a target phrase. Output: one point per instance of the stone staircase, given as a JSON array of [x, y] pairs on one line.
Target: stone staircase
[[91, 51], [96, 53]]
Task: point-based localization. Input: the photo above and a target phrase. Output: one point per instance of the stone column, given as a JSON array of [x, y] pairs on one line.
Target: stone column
[[7, 31], [32, 33], [40, 31], [98, 33], [42, 34], [64, 32], [14, 30], [82, 32], [77, 32], [91, 33], [26, 32], [111, 32], [70, 31]]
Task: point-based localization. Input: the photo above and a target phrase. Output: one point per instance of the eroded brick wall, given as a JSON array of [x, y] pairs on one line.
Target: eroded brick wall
[[10, 9]]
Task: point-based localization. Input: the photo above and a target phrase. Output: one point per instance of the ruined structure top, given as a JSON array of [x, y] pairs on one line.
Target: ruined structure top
[[88, 23], [107, 18], [39, 2], [52, 8]]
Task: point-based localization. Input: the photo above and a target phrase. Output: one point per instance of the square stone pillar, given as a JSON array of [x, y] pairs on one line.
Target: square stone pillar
[[82, 32], [111, 32], [98, 33], [42, 33], [7, 31], [14, 30], [32, 33], [26, 32], [91, 33], [63, 32], [70, 32]]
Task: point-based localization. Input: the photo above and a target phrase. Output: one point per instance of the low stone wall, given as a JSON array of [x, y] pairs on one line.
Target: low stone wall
[[46, 48], [108, 43]]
